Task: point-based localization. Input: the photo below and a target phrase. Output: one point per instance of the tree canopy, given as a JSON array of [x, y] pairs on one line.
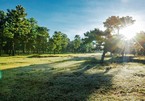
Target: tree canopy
[[20, 34]]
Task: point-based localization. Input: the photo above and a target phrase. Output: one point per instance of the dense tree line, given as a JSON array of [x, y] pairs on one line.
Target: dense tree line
[[19, 34]]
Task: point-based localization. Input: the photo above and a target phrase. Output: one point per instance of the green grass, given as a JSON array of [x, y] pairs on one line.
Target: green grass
[[70, 77]]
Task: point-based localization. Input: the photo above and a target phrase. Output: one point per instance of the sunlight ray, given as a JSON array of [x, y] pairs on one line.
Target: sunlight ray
[[138, 43]]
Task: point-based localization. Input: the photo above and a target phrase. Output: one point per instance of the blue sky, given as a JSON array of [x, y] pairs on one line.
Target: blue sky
[[77, 16]]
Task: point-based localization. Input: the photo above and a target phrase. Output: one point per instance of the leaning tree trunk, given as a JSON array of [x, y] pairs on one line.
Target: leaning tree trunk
[[104, 52], [103, 56]]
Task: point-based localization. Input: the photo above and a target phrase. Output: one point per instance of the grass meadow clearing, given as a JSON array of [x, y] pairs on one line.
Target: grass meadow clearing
[[71, 77]]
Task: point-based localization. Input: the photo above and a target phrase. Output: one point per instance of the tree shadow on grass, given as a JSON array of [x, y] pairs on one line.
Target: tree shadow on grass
[[45, 83], [127, 59]]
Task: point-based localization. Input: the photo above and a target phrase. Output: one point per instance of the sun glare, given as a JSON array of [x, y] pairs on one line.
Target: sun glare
[[130, 31]]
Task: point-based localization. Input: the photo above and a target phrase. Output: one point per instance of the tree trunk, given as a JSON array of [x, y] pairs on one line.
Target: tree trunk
[[1, 45], [103, 56], [13, 48], [0, 50], [18, 52], [9, 52], [24, 47], [54, 51]]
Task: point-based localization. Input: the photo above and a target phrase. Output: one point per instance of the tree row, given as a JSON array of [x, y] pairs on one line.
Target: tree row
[[19, 35]]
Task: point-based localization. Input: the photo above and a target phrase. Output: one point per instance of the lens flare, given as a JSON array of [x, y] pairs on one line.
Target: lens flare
[[130, 31]]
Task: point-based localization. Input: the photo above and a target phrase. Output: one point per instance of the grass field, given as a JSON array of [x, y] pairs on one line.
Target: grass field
[[71, 77]]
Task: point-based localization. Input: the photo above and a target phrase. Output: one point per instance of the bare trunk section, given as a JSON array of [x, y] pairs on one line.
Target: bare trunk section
[[103, 56], [13, 48]]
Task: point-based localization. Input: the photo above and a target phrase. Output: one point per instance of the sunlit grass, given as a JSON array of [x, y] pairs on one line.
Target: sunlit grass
[[26, 60], [17, 61], [71, 78]]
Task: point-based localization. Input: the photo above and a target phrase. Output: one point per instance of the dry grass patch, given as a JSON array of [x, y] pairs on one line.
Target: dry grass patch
[[70, 78]]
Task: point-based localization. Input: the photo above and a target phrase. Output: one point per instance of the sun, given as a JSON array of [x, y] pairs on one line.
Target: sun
[[129, 32]]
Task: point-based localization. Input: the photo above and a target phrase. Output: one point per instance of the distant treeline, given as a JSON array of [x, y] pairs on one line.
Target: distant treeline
[[19, 35]]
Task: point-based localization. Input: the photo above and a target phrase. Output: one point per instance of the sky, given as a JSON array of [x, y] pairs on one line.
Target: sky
[[78, 16]]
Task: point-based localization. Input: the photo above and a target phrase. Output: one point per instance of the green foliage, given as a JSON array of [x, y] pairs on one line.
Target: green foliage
[[116, 23], [112, 22], [17, 25], [77, 43], [95, 37], [115, 42], [58, 43], [29, 40], [2, 29], [19, 34], [42, 38], [87, 47], [139, 43]]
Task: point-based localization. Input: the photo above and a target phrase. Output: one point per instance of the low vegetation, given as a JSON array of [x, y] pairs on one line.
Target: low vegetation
[[70, 77], [37, 67]]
